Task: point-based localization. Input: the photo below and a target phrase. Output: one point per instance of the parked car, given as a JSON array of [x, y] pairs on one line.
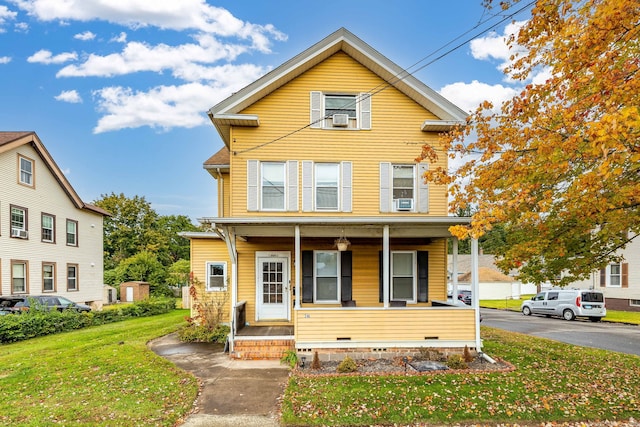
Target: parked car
[[18, 303], [567, 303], [465, 296]]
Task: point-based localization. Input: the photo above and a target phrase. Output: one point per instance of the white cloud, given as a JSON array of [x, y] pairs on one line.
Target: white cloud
[[137, 57], [120, 38], [22, 27], [6, 15], [70, 96], [5, 59], [469, 96], [166, 14], [87, 35], [495, 46], [162, 107], [46, 57]]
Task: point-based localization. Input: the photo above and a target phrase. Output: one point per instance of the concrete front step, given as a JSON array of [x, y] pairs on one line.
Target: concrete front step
[[261, 349]]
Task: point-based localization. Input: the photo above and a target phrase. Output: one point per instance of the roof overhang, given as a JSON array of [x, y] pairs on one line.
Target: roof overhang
[[440, 125], [352, 227]]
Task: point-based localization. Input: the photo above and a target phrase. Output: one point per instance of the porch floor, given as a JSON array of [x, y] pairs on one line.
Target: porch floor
[[265, 331]]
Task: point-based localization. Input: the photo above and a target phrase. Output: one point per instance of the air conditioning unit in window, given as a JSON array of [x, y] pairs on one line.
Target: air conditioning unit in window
[[16, 232], [404, 204], [340, 120]]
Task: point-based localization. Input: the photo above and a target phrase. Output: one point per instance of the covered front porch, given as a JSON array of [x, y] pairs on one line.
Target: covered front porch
[[360, 321]]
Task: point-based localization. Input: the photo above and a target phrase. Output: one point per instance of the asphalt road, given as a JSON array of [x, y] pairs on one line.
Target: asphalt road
[[608, 336]]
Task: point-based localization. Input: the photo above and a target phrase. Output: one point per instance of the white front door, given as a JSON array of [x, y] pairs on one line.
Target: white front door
[[272, 286]]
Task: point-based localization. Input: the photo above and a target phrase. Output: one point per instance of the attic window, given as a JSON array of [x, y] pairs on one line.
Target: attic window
[[340, 104]]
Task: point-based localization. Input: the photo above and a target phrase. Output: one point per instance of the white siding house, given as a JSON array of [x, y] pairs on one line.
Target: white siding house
[[620, 282], [50, 240]]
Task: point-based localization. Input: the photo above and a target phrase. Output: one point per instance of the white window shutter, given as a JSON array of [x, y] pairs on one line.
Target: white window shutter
[[365, 111], [292, 184], [252, 185], [316, 110], [346, 186], [385, 187], [423, 189], [307, 186]]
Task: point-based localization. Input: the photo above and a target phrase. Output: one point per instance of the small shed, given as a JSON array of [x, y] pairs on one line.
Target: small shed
[[134, 291], [110, 295]]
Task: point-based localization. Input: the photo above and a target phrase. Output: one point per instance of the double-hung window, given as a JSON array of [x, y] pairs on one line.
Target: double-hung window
[[327, 276], [48, 228], [327, 177], [19, 277], [72, 277], [216, 276], [72, 232], [48, 277], [615, 275], [19, 222], [340, 110], [403, 188], [403, 276], [273, 185], [26, 171]]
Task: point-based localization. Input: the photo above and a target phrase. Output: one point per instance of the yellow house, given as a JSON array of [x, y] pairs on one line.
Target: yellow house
[[328, 239]]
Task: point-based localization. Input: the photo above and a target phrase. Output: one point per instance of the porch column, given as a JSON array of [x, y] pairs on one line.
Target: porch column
[[296, 265], [475, 288], [230, 240], [454, 269], [385, 265]]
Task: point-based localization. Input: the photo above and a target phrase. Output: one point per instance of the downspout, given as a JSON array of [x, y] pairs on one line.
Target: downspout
[[475, 290], [230, 239], [296, 265]]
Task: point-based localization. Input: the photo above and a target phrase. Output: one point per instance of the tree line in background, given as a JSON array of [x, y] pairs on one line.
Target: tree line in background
[[140, 245]]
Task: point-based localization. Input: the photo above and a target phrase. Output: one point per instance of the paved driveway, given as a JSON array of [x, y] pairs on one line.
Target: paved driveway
[[604, 335]]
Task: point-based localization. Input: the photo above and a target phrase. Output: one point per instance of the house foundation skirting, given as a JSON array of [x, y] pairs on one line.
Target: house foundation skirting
[[328, 351]]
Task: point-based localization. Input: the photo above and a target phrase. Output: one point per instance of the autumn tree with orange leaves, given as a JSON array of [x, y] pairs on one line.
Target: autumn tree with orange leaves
[[559, 165]]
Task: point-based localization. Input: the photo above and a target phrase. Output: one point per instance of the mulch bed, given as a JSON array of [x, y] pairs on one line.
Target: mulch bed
[[397, 366]]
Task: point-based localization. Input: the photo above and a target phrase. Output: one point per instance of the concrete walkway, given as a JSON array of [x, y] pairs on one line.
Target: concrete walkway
[[234, 392]]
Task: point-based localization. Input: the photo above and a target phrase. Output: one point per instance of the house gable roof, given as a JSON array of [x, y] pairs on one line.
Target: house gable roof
[[227, 113], [12, 140]]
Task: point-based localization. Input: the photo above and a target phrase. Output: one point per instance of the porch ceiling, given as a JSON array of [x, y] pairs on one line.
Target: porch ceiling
[[351, 227]]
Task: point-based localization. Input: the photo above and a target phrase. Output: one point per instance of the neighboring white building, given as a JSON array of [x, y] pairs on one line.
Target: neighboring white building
[[50, 240], [492, 283], [619, 282]]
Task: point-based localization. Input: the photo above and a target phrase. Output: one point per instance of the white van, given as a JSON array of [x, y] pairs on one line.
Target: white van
[[567, 303]]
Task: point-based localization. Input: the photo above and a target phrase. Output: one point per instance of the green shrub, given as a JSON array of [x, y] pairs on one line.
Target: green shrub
[[290, 357], [197, 333], [347, 365], [35, 323], [456, 361]]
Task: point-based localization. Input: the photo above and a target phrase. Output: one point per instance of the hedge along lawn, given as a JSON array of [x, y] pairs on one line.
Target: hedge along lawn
[[100, 375], [552, 382]]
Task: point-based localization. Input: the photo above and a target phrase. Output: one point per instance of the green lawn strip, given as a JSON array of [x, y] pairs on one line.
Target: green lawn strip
[[616, 316], [552, 382], [99, 375]]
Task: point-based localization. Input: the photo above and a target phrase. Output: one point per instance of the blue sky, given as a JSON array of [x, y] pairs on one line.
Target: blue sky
[[118, 90]]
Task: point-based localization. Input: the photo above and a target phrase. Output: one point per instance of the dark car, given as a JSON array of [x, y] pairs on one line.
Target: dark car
[[18, 303], [465, 296]]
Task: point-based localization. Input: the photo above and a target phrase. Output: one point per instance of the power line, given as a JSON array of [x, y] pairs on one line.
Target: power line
[[405, 72]]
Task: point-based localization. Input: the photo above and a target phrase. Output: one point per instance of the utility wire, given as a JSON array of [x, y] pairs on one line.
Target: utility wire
[[405, 72]]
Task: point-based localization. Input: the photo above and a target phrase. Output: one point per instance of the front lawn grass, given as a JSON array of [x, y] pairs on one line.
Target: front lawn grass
[[103, 375], [552, 382], [616, 316]]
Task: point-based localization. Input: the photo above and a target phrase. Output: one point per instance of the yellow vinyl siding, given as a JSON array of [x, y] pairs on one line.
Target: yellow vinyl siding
[[385, 325], [203, 251], [395, 135]]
